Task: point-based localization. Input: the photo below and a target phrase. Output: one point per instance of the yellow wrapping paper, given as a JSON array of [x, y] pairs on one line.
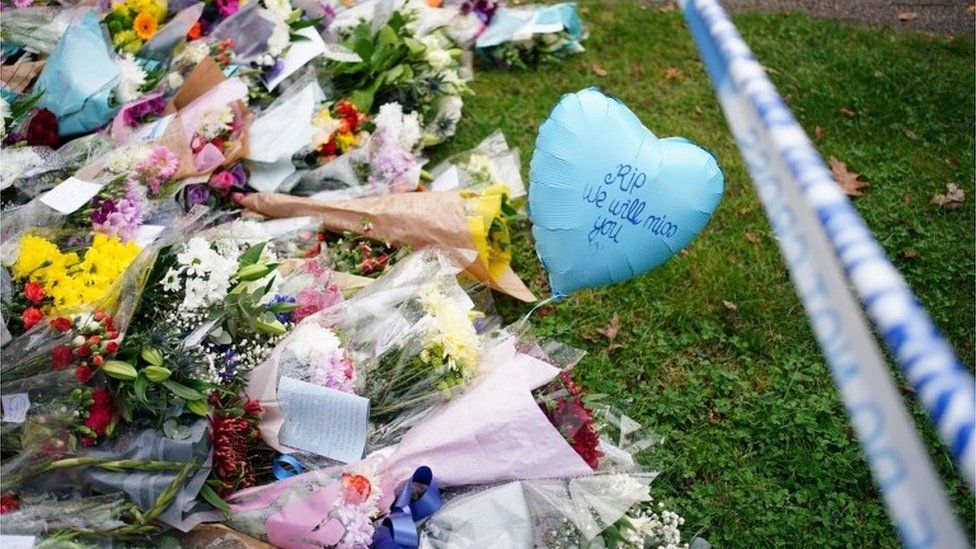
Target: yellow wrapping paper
[[417, 220]]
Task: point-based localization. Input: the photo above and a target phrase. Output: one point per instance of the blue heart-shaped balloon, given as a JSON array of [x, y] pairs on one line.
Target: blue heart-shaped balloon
[[607, 199]]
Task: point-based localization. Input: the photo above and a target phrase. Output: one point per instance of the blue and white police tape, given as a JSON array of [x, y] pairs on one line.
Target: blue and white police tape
[[821, 237]]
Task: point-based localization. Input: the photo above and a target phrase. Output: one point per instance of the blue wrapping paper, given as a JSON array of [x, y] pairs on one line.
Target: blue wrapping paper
[[79, 79]]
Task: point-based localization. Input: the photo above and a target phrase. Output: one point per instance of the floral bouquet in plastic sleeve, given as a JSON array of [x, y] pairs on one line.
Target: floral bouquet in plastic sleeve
[[492, 162], [494, 432], [472, 223], [389, 355]]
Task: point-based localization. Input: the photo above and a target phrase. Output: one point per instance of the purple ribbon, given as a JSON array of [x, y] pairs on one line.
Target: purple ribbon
[[399, 530]]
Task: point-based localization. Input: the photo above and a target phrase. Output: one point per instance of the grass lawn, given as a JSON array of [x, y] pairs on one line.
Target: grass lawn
[[758, 450]]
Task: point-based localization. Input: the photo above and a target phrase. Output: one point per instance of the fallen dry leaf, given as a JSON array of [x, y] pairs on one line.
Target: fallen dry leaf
[[611, 330], [729, 306], [952, 162], [908, 16], [584, 10], [878, 74], [952, 199], [911, 135], [698, 111], [847, 112], [819, 132], [850, 182], [788, 99], [637, 69], [745, 211], [672, 73], [667, 8], [752, 237], [906, 199], [909, 254], [598, 70]]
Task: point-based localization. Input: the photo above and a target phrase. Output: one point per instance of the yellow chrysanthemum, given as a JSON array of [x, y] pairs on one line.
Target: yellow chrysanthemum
[[124, 38], [34, 252], [154, 8]]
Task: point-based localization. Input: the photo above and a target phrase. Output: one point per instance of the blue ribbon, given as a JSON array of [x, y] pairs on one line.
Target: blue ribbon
[[281, 472], [399, 530]]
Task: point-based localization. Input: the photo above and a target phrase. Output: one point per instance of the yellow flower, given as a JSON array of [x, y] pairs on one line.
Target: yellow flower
[[34, 252], [144, 25], [346, 140], [120, 8], [154, 8], [124, 38]]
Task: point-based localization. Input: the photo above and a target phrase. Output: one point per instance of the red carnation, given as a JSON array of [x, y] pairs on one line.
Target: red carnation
[[31, 316], [61, 357], [61, 324], [97, 360], [100, 411], [111, 347], [252, 408], [34, 292], [99, 315], [42, 131], [83, 351], [8, 503], [83, 373]]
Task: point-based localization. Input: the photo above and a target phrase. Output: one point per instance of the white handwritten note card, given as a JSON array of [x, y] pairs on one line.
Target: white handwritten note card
[[321, 420]]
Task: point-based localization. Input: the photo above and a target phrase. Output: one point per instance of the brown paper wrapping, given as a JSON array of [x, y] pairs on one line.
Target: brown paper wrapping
[[19, 77], [218, 536], [204, 77], [418, 220]]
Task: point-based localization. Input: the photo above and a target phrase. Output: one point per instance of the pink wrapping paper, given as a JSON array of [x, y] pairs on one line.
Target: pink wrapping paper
[[493, 433]]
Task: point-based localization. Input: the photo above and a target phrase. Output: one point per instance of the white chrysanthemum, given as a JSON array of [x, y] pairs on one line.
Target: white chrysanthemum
[[171, 282], [131, 78], [405, 128], [311, 343], [174, 80]]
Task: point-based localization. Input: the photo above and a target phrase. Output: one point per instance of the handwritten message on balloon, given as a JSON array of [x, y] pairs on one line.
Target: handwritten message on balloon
[[608, 199], [618, 207]]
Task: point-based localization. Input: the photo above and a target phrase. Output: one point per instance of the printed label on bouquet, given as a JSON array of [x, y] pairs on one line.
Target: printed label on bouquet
[[300, 53], [340, 53], [70, 195], [16, 542], [446, 181], [147, 234], [15, 408], [341, 435]]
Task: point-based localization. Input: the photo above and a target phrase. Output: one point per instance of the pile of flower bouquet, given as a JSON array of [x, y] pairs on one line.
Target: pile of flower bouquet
[[237, 305]]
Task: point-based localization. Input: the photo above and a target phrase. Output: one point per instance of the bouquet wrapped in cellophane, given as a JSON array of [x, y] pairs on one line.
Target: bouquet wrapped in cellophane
[[493, 432], [474, 224], [383, 360]]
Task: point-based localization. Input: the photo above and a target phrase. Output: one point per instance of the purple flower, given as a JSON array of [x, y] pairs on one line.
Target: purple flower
[[136, 113], [198, 193], [285, 316], [240, 176]]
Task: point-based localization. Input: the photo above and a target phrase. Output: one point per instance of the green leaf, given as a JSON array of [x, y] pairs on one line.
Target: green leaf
[[141, 385], [294, 37], [304, 23], [182, 391], [213, 499], [252, 255], [415, 46]]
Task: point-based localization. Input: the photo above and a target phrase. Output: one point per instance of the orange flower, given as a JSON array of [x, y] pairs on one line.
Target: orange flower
[[145, 26], [195, 31]]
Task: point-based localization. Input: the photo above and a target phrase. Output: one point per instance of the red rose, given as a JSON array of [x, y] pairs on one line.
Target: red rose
[[93, 341], [42, 131], [112, 334], [61, 357], [99, 315], [61, 324], [8, 503], [34, 292], [31, 317], [97, 360], [83, 373], [83, 351], [111, 347]]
